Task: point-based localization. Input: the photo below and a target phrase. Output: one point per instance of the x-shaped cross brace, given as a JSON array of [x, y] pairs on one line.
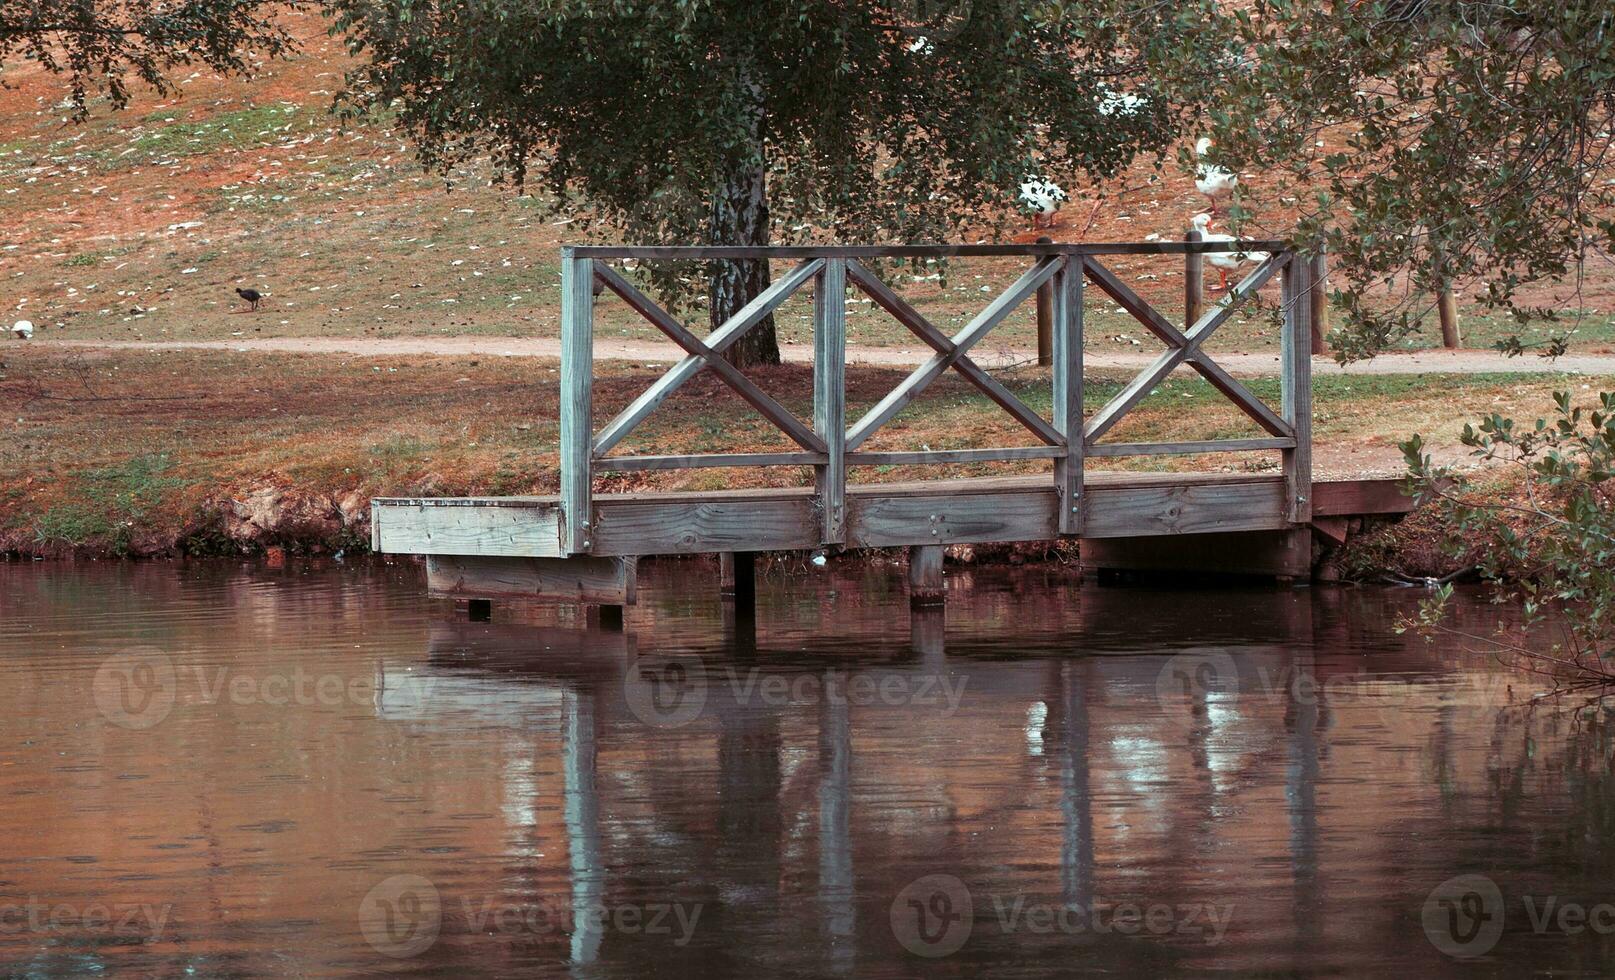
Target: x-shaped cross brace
[[707, 354], [950, 352], [1185, 347]]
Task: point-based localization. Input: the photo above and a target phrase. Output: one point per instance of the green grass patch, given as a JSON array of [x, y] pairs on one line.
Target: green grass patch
[[111, 502], [243, 128]]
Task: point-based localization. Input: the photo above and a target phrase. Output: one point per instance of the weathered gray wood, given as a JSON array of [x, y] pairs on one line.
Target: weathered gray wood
[[1169, 334], [639, 464], [1240, 395], [754, 396], [1192, 508], [939, 456], [1134, 304], [1067, 389], [717, 342], [1139, 387], [445, 527], [928, 372], [830, 397], [1295, 351], [911, 318], [1194, 279], [1333, 528], [884, 521], [579, 579], [577, 404], [673, 527], [1359, 497], [1183, 448], [926, 586], [1019, 508], [1045, 318], [685, 252]]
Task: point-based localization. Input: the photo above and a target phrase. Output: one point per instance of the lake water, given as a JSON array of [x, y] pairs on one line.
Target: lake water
[[221, 769]]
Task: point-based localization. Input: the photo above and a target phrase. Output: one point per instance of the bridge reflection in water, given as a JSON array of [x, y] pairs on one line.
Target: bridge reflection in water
[[1269, 780]]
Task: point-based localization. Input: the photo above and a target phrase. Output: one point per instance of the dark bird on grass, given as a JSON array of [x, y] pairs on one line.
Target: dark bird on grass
[[252, 296]]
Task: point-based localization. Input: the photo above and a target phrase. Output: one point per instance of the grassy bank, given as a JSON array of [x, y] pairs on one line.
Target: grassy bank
[[147, 452]]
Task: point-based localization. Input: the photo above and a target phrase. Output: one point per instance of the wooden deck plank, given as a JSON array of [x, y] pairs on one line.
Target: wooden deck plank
[[576, 579], [966, 510], [465, 526], [890, 520]]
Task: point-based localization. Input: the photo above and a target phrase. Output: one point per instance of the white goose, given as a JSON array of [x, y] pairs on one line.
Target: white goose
[[1041, 197], [23, 329], [1225, 262], [1211, 180]]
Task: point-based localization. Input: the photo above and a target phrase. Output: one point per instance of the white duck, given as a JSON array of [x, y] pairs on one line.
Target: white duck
[[1211, 180], [1042, 197], [23, 329], [1225, 262]]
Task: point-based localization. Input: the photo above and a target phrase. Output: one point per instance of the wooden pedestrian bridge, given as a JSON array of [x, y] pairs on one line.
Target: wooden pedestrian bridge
[[581, 546]]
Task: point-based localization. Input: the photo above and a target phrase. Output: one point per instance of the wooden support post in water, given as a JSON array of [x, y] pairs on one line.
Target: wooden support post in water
[[1194, 280], [1045, 317], [607, 616], [925, 585], [927, 632], [1296, 357], [737, 577], [1320, 304], [829, 398], [577, 413], [1067, 286]]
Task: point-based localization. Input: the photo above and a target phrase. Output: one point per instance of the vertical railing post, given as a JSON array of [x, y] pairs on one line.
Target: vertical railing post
[[1067, 290], [1296, 355], [829, 397], [577, 396]]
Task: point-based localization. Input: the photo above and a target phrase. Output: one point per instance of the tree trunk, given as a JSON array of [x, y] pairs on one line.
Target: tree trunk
[[740, 217]]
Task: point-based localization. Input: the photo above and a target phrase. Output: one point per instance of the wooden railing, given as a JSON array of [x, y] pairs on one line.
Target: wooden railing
[[830, 445]]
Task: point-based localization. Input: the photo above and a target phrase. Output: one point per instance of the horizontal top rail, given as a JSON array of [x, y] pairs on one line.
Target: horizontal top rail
[[651, 252]]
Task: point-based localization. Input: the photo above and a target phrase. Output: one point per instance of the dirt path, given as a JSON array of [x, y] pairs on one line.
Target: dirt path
[[1421, 362]]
